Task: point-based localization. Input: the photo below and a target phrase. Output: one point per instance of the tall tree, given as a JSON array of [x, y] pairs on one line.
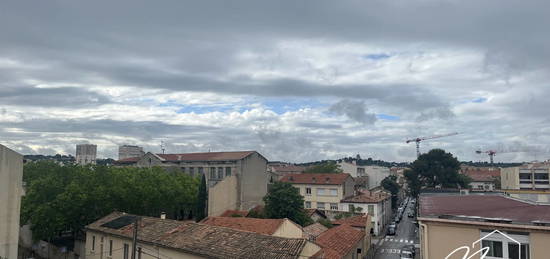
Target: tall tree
[[390, 183], [285, 201], [436, 168], [324, 168], [202, 200]]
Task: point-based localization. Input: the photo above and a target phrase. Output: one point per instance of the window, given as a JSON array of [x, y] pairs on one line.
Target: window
[[212, 173], [192, 171], [201, 170], [321, 205], [321, 191], [308, 205], [93, 243], [139, 252], [513, 251], [228, 171], [220, 172], [334, 206], [495, 248], [110, 247], [308, 191], [183, 169], [333, 192], [371, 210], [125, 254]]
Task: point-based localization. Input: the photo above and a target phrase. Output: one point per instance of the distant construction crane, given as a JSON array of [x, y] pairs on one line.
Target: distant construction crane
[[491, 154], [418, 140]]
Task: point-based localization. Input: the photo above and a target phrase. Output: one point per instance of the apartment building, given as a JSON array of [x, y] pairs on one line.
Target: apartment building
[[111, 238], [374, 174], [483, 178], [375, 204], [277, 170], [128, 151], [86, 154], [236, 180], [11, 189], [526, 177], [322, 191], [506, 226]]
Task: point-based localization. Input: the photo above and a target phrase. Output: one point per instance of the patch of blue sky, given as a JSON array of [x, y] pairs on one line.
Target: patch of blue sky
[[479, 100], [199, 109], [376, 56], [382, 116], [283, 105]]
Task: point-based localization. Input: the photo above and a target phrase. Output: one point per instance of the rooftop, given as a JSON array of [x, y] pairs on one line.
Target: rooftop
[[208, 156], [261, 226], [367, 197], [338, 241], [489, 208], [330, 179], [199, 239], [314, 230], [359, 221], [232, 213], [482, 175]]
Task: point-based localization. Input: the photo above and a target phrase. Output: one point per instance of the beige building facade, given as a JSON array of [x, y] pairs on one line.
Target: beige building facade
[[11, 189], [236, 180], [86, 154], [322, 191], [525, 178]]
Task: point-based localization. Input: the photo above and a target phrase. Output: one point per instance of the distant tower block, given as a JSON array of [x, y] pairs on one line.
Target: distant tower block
[[128, 151], [86, 154]]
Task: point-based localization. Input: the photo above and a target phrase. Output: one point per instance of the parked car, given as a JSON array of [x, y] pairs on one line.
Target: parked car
[[397, 219], [409, 249], [406, 253], [391, 231]]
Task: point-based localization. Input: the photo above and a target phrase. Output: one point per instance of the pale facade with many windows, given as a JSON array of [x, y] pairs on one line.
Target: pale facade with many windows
[[322, 191]]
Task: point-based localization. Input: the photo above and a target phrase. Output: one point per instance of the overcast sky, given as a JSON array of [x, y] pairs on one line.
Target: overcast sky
[[295, 80]]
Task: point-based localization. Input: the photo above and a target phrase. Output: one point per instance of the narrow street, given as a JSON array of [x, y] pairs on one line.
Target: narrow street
[[405, 235]]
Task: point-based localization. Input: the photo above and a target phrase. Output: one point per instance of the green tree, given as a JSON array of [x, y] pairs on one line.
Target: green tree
[[325, 222], [202, 199], [65, 198], [324, 168], [390, 183], [285, 201], [436, 168]]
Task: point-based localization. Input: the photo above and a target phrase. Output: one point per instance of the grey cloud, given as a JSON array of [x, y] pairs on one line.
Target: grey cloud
[[436, 113], [355, 110], [23, 95]]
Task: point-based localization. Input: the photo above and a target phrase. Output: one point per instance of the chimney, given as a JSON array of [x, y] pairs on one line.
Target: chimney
[[327, 180], [163, 215]]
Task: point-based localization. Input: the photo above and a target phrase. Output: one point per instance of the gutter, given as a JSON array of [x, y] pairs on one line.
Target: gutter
[[488, 224], [422, 241]]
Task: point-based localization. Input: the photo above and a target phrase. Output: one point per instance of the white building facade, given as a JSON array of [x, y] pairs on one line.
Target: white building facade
[[376, 204], [128, 151], [86, 154], [375, 174], [11, 189]]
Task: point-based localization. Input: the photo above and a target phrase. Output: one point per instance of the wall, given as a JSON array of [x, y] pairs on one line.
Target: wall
[[223, 196], [348, 168], [443, 239], [148, 251], [353, 252], [314, 198], [376, 174], [309, 250], [149, 160], [539, 243], [11, 185], [253, 184], [509, 178], [289, 230]]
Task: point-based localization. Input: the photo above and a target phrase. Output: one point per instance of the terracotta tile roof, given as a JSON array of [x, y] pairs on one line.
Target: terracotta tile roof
[[208, 156], [331, 179], [484, 175], [484, 206], [261, 226], [367, 197], [200, 239], [310, 212], [230, 213], [129, 160], [359, 221], [313, 231], [338, 241]]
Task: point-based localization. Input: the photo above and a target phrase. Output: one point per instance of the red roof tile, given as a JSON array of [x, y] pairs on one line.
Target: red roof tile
[[359, 221], [485, 206], [208, 156], [368, 197], [313, 231], [262, 226], [128, 160], [338, 241], [231, 213], [331, 179]]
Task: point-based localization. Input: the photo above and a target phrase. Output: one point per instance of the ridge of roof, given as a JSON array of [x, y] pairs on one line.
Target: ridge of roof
[[314, 178]]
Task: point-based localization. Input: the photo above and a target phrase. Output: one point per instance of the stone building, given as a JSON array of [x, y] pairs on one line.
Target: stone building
[[11, 189]]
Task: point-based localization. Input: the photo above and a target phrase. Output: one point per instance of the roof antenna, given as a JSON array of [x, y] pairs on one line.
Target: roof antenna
[[162, 146]]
